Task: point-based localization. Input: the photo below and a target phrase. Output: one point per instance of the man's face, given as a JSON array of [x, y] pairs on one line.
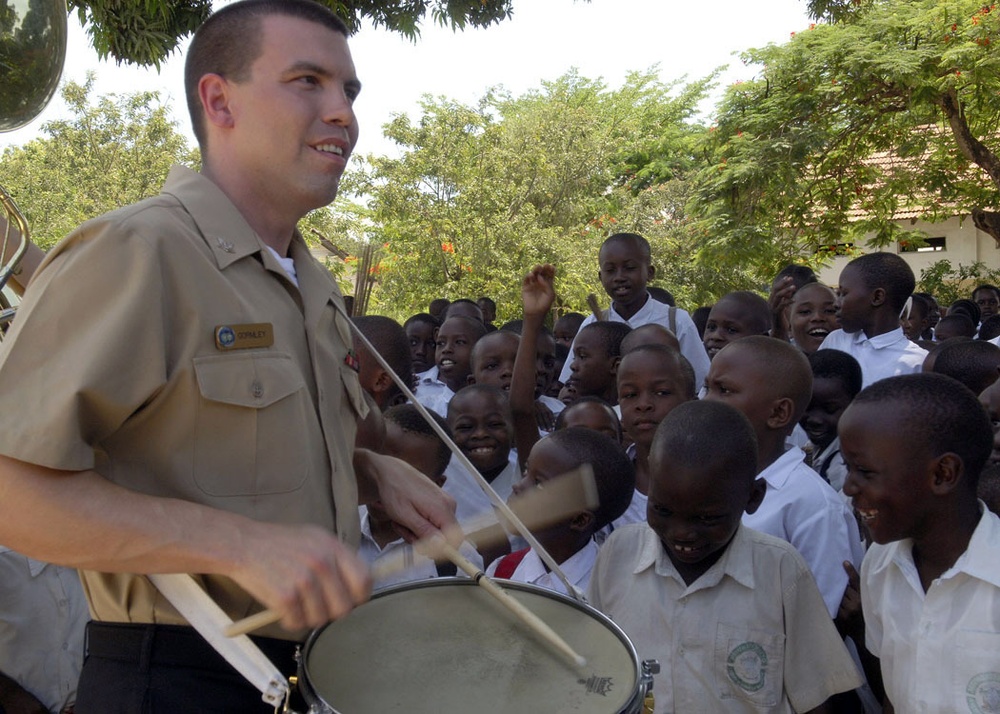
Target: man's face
[[292, 124]]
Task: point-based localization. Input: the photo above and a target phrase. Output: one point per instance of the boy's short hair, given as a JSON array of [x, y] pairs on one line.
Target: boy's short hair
[[495, 335], [987, 286], [756, 307], [482, 388], [791, 370], [972, 362], [574, 319], [589, 399], [635, 239], [889, 272], [462, 301], [960, 323], [229, 42], [673, 357], [990, 328], [963, 306], [489, 301], [834, 364], [700, 318], [408, 418], [939, 414], [800, 275], [700, 433], [613, 470], [389, 338], [919, 302], [437, 307], [423, 317], [477, 326], [610, 334], [515, 326], [648, 334]]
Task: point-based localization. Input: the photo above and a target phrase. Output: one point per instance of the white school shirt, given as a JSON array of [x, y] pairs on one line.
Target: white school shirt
[[43, 613], [432, 392], [656, 312], [419, 567], [751, 634], [470, 499], [531, 569], [801, 508], [940, 650], [886, 355]]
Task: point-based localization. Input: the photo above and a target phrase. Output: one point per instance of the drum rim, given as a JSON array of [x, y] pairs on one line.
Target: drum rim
[[303, 680]]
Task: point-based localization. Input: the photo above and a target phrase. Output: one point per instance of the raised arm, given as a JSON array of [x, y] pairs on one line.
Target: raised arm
[[537, 296]]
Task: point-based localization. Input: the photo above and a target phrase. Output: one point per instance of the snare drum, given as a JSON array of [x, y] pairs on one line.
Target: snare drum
[[445, 646]]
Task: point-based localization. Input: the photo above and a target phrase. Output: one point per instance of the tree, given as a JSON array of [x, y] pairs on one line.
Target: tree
[[482, 193], [790, 162], [103, 157], [145, 32]]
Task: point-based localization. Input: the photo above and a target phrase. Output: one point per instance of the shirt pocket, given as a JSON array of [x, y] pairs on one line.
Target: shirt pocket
[[252, 427], [749, 665], [975, 670]]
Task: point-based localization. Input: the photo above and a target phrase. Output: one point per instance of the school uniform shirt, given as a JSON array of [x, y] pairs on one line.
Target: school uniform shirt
[[802, 508], [42, 617], [751, 634], [432, 392], [419, 567], [886, 355], [940, 650], [656, 312], [532, 570], [829, 464], [555, 406], [469, 497]]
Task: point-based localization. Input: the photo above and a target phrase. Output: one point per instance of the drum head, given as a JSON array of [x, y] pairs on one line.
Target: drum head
[[443, 646]]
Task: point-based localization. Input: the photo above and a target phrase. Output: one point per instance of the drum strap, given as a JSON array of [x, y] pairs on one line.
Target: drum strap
[[509, 563]]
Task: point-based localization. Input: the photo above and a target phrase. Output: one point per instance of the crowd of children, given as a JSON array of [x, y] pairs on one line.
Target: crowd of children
[[811, 534]]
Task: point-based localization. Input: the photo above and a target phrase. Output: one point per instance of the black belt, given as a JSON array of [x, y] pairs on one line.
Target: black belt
[[174, 646]]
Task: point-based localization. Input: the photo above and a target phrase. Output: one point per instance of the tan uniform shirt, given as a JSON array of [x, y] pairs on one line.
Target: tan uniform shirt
[[115, 349], [751, 634]]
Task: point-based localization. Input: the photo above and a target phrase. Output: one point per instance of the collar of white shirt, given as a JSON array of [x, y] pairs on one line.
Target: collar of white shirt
[[886, 339], [736, 562], [776, 475]]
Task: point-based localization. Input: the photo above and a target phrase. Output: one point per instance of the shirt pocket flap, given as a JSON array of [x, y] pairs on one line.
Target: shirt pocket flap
[[247, 380]]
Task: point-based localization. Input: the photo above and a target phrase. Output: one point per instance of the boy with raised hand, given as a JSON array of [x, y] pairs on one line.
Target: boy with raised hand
[[770, 381], [930, 585], [625, 268], [732, 615], [870, 299]]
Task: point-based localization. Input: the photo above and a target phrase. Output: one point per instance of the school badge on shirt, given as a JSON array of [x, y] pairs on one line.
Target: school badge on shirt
[[244, 337]]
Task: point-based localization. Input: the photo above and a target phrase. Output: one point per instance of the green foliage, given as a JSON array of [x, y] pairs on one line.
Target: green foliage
[[146, 32], [481, 193], [788, 166], [948, 284], [105, 156]]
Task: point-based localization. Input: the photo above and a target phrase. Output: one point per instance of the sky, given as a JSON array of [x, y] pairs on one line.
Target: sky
[[544, 39]]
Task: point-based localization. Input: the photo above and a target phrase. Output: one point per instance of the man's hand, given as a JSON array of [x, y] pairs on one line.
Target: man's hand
[[537, 290], [417, 506]]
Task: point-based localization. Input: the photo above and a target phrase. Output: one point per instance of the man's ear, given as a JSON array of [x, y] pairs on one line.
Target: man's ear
[[471, 379], [213, 91], [782, 412], [382, 383], [582, 521], [757, 492], [878, 297], [652, 271], [947, 473], [615, 361]]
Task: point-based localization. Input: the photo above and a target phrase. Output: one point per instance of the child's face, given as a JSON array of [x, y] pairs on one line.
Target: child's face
[[988, 302], [829, 400], [545, 364], [592, 369], [494, 359], [812, 316], [648, 389], [563, 331], [854, 301], [888, 479], [455, 340], [624, 272], [546, 461], [990, 398], [596, 417], [736, 379], [480, 423], [915, 323], [696, 511], [423, 342], [418, 450], [727, 322]]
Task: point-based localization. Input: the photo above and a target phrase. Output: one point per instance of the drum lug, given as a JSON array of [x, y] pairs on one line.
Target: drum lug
[[649, 668]]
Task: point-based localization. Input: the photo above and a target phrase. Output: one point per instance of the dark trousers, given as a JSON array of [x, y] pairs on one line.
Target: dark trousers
[[166, 669]]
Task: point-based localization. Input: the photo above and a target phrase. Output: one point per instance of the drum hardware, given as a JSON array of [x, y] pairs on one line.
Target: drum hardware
[[649, 667]]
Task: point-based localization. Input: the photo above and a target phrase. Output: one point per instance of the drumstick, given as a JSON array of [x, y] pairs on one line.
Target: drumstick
[[559, 498], [438, 546], [595, 307]]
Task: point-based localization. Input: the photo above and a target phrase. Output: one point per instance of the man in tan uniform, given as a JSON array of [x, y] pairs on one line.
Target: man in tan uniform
[[193, 401]]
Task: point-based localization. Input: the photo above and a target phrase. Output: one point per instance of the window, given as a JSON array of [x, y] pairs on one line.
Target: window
[[930, 245]]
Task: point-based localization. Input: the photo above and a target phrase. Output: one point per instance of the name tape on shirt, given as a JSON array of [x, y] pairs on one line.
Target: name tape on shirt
[[244, 337]]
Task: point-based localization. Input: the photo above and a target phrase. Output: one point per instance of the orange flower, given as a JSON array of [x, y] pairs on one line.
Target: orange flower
[[448, 247]]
